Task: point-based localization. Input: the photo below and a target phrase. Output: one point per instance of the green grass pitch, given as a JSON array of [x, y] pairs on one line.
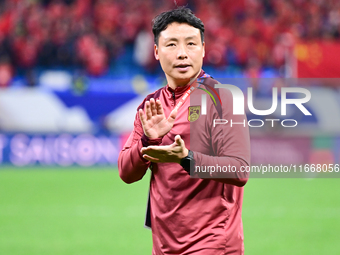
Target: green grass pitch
[[83, 211]]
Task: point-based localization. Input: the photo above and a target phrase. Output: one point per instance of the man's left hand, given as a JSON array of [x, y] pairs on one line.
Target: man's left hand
[[169, 153]]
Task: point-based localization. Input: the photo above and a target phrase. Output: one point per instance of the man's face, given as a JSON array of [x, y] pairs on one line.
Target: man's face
[[180, 52]]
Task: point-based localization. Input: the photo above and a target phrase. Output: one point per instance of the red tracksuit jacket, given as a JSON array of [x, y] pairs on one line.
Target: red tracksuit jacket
[[194, 215]]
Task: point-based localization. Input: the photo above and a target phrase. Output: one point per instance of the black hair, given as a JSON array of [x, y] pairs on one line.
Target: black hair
[[180, 15]]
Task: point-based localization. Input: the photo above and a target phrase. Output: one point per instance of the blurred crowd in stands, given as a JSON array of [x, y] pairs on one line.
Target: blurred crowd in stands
[[94, 34]]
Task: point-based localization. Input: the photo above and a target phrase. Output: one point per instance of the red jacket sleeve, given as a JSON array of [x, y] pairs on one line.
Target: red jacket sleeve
[[131, 165]]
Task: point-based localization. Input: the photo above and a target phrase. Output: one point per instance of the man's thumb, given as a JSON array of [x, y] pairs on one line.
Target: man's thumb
[[172, 116], [179, 140]]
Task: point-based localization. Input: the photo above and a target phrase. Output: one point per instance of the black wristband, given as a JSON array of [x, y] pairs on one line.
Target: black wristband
[[188, 162]]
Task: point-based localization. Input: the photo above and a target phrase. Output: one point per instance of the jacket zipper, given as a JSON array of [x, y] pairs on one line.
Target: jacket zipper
[[173, 96]]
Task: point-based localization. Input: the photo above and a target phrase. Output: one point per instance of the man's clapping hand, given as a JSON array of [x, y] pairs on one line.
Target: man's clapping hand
[[154, 122]]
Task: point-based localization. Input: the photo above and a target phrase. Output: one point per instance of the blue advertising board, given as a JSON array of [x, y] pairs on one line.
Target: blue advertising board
[[62, 149]]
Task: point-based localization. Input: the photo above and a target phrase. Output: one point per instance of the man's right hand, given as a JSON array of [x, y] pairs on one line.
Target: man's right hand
[[154, 122]]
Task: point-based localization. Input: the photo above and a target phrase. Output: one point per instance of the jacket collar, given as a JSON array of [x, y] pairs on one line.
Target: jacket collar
[[179, 91]]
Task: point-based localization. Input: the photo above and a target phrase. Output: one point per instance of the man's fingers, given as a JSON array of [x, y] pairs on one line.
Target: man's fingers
[[149, 148], [150, 154], [159, 107], [155, 149], [142, 117], [148, 110], [153, 107], [152, 159]]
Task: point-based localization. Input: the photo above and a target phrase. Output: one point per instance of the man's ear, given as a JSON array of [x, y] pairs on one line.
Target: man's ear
[[156, 52], [203, 49]]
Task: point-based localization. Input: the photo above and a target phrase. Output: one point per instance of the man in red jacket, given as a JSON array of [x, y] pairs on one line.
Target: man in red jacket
[[175, 136]]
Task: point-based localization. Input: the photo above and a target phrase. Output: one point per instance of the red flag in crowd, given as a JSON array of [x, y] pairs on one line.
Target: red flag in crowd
[[318, 59]]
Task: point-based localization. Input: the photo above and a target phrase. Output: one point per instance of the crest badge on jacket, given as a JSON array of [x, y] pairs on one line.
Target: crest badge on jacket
[[194, 113]]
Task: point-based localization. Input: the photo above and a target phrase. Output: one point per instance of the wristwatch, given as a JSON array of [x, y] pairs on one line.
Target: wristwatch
[[188, 162]]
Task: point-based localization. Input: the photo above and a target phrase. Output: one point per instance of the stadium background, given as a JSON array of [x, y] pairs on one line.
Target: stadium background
[[71, 76]]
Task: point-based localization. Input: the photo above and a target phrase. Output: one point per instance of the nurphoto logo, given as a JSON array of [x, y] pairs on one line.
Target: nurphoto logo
[[239, 103]]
